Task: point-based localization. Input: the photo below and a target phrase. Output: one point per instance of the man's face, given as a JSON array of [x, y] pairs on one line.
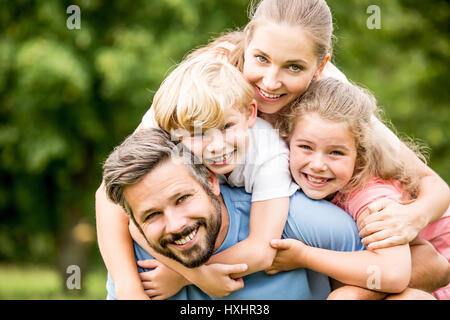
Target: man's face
[[177, 216]]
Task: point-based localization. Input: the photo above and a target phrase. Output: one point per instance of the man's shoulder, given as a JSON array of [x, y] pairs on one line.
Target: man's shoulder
[[234, 194]]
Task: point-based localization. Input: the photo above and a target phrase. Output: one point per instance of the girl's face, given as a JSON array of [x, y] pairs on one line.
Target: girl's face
[[280, 64], [322, 156]]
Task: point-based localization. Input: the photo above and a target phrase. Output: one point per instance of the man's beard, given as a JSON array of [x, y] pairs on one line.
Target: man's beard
[[198, 253]]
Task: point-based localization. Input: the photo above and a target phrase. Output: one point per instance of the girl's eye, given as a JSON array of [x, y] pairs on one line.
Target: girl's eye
[[295, 67], [261, 59], [337, 153]]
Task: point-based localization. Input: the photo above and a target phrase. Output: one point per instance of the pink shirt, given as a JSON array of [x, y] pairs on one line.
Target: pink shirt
[[437, 233]]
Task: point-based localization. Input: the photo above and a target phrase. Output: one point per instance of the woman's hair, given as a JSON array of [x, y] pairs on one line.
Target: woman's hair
[[313, 16], [378, 151], [198, 91]]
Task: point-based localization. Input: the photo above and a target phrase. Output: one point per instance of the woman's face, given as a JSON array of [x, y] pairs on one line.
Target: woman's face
[[280, 64]]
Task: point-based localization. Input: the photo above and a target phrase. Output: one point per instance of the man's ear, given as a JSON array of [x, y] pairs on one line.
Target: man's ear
[[213, 182], [322, 65], [251, 113]]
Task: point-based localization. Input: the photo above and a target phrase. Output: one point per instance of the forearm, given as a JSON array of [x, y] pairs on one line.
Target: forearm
[[258, 255], [430, 270], [267, 220], [433, 199], [116, 246], [390, 268]]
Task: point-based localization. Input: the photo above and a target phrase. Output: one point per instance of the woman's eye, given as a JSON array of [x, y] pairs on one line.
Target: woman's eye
[[261, 59], [295, 67]]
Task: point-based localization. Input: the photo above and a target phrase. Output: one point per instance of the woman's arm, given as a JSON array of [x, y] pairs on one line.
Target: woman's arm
[[116, 247], [396, 224], [384, 270]]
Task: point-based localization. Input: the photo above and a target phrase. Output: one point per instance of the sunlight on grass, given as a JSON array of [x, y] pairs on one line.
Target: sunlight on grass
[[39, 282]]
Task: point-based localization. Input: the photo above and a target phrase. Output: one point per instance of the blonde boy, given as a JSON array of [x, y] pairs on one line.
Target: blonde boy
[[208, 104]]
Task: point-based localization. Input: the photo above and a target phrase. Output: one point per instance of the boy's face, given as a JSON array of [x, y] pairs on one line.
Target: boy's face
[[222, 149]]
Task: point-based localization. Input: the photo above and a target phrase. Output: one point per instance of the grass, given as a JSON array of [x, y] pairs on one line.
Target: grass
[[44, 283]]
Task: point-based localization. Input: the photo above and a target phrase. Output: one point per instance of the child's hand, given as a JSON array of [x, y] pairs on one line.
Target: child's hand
[[393, 224], [291, 254], [214, 279], [161, 282]]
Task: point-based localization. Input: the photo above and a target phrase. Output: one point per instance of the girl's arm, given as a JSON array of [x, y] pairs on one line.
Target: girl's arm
[[396, 224], [384, 270], [116, 247]]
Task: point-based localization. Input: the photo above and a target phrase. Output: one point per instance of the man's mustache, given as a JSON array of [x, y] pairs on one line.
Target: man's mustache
[[170, 238]]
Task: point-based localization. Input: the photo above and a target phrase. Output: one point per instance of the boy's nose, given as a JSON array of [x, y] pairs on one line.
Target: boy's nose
[[215, 143]]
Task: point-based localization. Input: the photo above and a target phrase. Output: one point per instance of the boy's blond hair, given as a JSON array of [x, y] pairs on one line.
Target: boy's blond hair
[[378, 154], [197, 92]]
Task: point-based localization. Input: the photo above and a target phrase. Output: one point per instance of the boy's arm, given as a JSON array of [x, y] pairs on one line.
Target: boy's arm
[[116, 247], [267, 220], [385, 270]]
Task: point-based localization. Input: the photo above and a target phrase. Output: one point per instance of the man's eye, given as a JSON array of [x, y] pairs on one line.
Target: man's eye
[[182, 198]]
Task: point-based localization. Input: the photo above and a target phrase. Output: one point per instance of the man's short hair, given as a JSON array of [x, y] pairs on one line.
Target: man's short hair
[[140, 153]]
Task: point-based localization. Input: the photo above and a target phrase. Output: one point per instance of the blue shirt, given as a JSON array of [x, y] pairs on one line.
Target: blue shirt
[[317, 223]]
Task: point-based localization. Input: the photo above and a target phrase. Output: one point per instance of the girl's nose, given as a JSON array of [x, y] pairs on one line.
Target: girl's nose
[[317, 164]]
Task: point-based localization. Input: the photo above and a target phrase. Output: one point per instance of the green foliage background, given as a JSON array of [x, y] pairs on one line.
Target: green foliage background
[[67, 97]]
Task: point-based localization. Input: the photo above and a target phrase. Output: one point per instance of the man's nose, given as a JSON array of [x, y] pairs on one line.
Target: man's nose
[[174, 221], [271, 80]]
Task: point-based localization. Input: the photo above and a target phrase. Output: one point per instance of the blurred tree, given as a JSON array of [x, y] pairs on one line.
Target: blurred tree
[[67, 97]]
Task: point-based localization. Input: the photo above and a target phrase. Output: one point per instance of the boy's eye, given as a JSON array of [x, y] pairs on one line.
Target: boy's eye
[[295, 67], [227, 126], [304, 146], [151, 215], [261, 59]]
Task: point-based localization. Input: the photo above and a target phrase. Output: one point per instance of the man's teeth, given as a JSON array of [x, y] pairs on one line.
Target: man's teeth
[[187, 238], [317, 180], [268, 95]]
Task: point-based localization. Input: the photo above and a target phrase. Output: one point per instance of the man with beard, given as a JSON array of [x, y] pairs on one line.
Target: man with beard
[[182, 213]]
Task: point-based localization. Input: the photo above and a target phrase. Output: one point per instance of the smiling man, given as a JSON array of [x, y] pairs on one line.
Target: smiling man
[[183, 213]]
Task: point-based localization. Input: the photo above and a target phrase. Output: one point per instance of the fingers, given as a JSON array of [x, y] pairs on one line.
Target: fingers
[[235, 268], [148, 264], [280, 243], [371, 228], [386, 243]]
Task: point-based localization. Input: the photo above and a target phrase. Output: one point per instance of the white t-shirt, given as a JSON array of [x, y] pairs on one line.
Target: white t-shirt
[[265, 170]]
